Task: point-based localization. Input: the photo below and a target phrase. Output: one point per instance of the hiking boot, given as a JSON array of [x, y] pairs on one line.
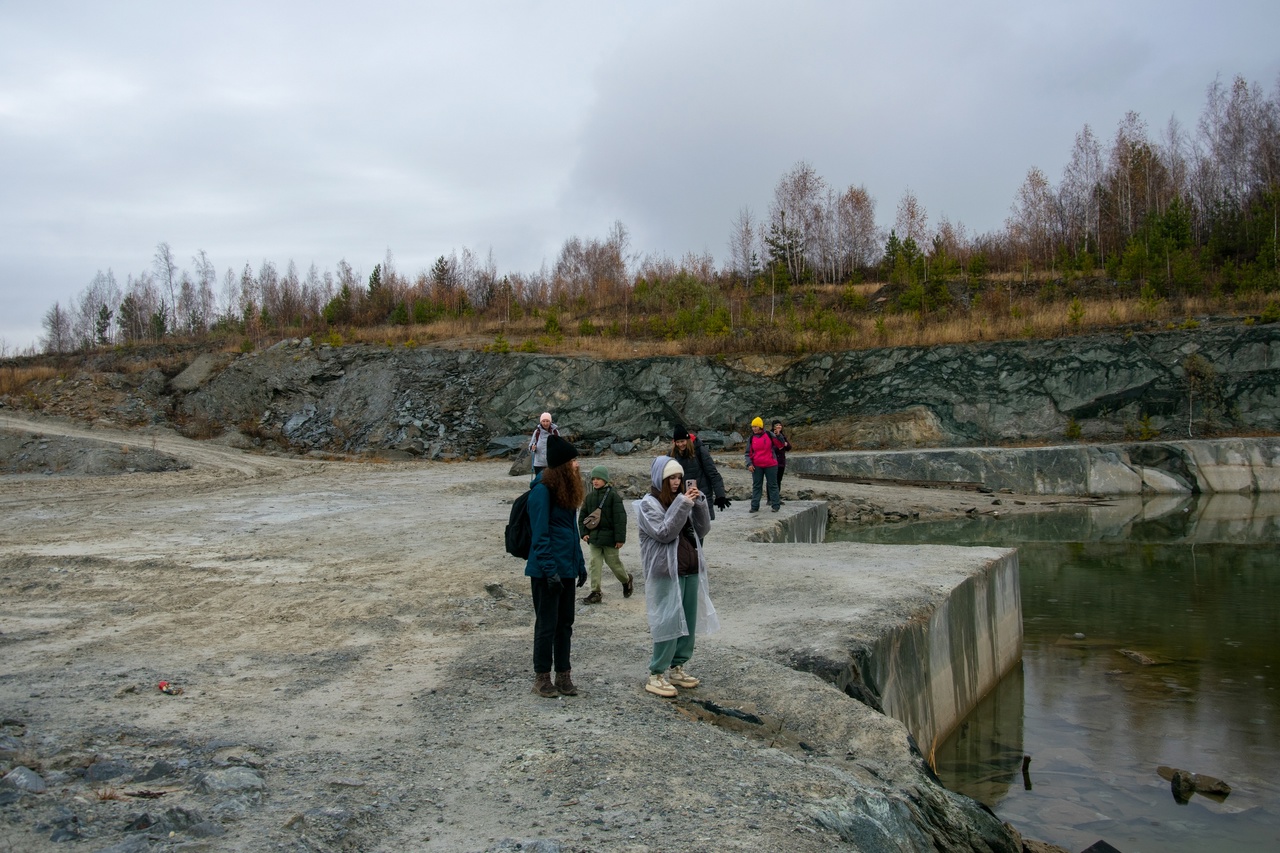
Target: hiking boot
[[594, 598], [565, 684], [775, 509], [680, 678], [543, 687], [754, 509], [659, 686], [628, 587]]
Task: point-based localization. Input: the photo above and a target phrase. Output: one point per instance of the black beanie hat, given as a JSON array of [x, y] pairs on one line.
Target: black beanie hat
[[559, 451], [680, 434]]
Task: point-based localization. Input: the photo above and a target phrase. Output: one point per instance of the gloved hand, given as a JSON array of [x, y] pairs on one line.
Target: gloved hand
[[553, 584], [722, 502], [582, 578]]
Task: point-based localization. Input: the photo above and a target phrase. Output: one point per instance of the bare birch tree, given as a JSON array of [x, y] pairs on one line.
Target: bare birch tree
[[860, 237], [1080, 193], [92, 316], [743, 261], [166, 270], [205, 304], [57, 330], [912, 221], [1130, 156], [794, 217], [1031, 218]]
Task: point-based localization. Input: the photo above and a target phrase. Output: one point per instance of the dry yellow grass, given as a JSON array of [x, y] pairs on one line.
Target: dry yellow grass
[[998, 313], [1009, 318], [14, 379]]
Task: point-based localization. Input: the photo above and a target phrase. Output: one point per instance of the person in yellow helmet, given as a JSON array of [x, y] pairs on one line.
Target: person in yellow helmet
[[762, 462]]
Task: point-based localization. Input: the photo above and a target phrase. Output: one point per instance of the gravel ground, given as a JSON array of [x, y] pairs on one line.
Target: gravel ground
[[348, 649], [35, 454]]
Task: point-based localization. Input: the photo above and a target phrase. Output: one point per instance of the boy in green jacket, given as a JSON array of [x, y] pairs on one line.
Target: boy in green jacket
[[606, 538]]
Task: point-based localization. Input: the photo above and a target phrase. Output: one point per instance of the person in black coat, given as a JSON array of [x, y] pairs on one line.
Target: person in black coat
[[782, 445], [697, 463]]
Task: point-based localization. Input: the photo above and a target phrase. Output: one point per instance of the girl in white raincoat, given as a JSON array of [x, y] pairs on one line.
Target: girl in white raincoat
[[672, 520]]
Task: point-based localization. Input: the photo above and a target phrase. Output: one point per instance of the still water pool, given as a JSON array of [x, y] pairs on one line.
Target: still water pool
[[1152, 638]]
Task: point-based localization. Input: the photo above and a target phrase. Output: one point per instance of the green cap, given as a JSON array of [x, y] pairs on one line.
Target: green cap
[[600, 473]]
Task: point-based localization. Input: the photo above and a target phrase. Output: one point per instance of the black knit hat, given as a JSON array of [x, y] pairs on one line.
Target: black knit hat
[[559, 451], [680, 433]]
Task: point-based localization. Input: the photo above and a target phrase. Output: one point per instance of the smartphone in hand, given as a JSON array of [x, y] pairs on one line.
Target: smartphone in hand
[[691, 485]]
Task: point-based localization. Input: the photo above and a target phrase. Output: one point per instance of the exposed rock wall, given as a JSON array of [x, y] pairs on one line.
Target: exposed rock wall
[[1211, 466], [444, 404]]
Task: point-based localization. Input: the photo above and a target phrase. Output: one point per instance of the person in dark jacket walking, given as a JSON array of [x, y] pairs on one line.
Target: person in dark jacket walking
[[698, 465], [555, 561], [605, 539]]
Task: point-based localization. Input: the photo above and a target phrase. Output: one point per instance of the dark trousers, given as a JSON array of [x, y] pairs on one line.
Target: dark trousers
[[553, 625], [782, 469], [762, 476]]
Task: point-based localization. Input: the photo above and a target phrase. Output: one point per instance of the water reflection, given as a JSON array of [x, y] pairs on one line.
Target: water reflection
[[990, 744], [1152, 638]]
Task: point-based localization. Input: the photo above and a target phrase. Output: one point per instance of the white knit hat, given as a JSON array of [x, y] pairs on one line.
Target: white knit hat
[[671, 469]]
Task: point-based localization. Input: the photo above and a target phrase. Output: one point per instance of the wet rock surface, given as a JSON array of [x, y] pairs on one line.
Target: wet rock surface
[[1184, 783]]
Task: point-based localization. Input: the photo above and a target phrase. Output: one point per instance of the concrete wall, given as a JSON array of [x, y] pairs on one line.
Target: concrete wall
[[933, 670], [930, 671], [1231, 465], [805, 521]]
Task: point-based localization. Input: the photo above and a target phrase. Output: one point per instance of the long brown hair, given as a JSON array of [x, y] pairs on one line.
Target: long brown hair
[[565, 485]]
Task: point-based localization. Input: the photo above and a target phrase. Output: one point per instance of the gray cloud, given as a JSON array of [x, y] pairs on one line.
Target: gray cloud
[[315, 132]]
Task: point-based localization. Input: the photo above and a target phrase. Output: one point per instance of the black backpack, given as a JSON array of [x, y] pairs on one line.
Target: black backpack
[[519, 533]]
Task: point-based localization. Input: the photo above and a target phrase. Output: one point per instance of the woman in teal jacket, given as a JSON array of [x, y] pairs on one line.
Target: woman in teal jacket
[[555, 561]]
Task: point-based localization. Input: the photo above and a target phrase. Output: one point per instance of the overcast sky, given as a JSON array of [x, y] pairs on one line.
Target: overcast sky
[[317, 131]]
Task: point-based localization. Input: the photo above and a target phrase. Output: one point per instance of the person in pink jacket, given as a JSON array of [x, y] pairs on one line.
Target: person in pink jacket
[[762, 462]]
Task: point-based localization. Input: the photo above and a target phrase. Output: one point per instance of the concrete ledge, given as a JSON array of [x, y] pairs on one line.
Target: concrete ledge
[[1231, 465], [805, 522], [921, 633], [933, 670]]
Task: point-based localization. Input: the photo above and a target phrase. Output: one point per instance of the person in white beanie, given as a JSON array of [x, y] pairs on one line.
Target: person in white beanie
[[538, 441], [672, 519]]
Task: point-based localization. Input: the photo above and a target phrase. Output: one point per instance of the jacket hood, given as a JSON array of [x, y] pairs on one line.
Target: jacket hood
[[655, 471]]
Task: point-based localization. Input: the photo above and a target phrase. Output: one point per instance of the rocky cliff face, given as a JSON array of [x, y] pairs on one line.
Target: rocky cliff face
[[446, 404]]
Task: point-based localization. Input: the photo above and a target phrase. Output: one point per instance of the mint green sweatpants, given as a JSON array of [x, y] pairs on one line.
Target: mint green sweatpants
[[677, 652]]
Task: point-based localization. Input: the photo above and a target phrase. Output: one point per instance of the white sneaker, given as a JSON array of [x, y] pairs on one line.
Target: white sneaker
[[659, 686], [680, 678]]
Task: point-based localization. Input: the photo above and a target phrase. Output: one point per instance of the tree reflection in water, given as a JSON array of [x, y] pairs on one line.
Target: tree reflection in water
[[1152, 637]]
